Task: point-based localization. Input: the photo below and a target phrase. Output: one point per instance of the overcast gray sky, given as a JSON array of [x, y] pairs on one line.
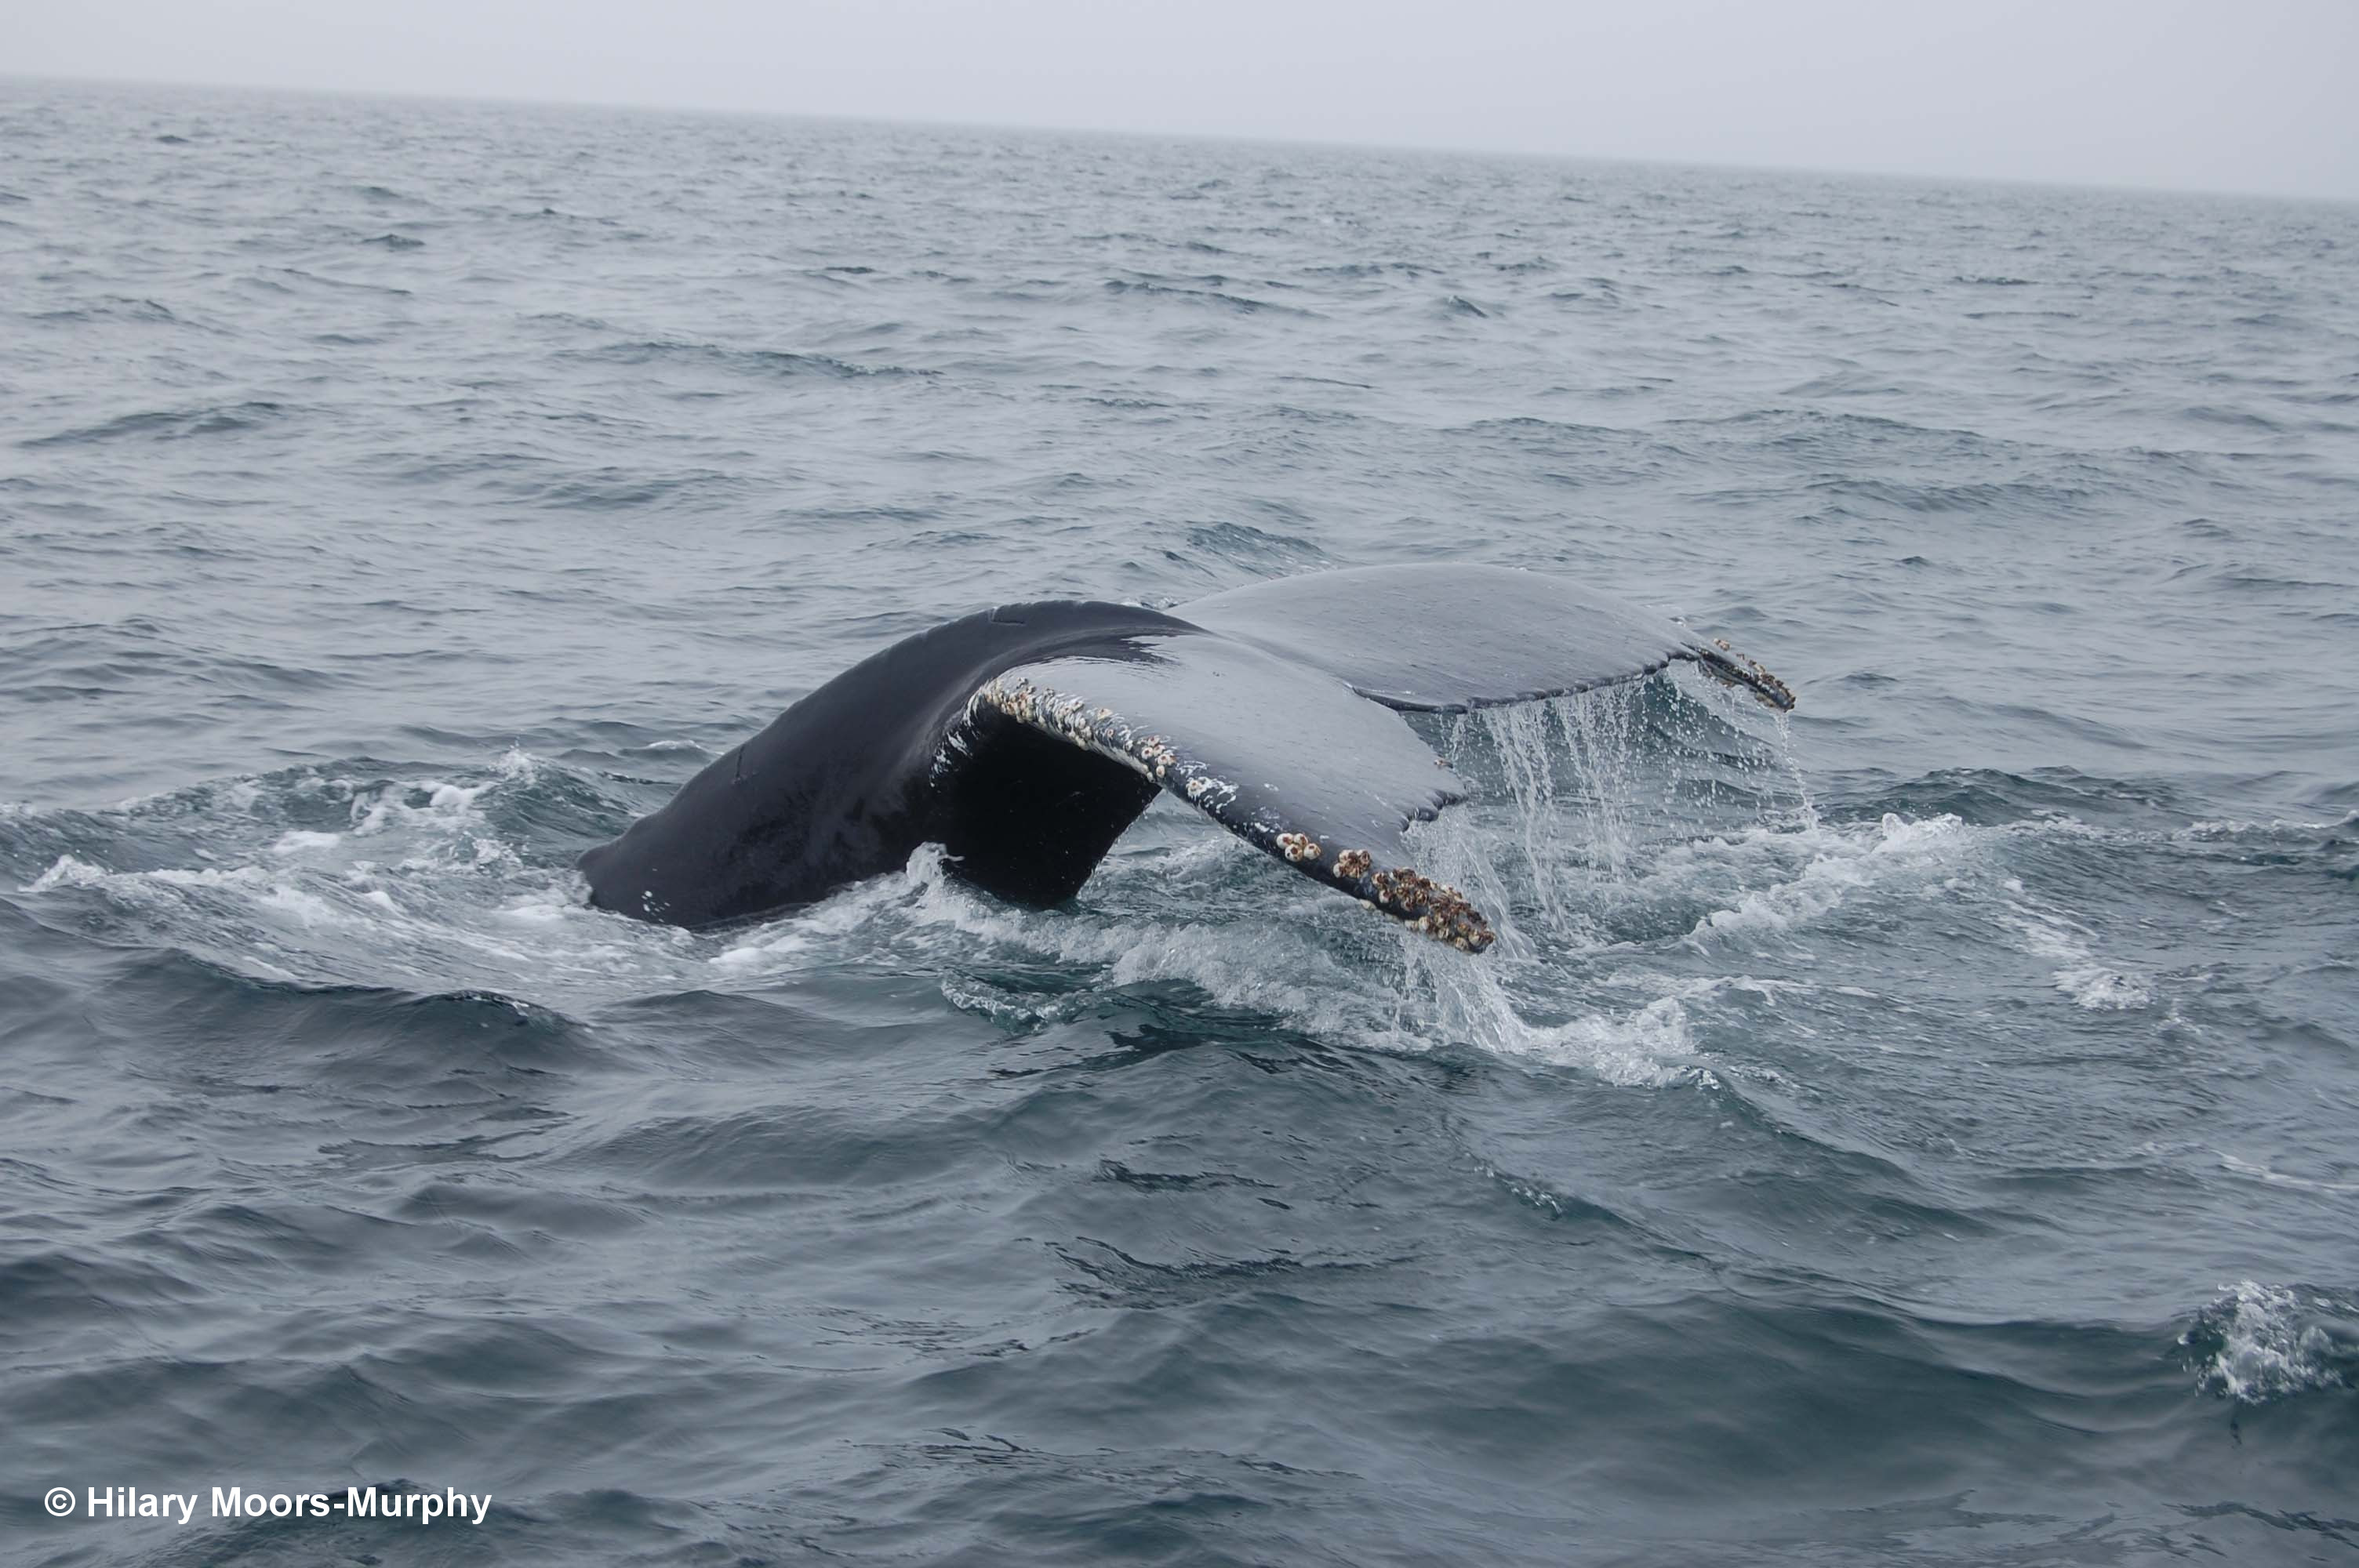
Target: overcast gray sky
[[2237, 95]]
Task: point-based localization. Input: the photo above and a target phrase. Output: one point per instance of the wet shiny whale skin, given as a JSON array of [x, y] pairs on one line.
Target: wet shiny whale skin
[[1026, 738]]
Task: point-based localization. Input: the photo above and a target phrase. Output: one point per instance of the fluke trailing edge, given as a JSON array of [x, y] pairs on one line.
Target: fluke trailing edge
[[1025, 739]]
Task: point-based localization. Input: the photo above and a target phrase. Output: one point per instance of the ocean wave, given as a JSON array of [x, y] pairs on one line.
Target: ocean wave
[[761, 361], [171, 424], [1243, 304]]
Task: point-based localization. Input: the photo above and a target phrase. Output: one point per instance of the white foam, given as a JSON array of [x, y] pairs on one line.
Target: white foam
[[1643, 1048], [2280, 1179], [759, 955], [2103, 989], [423, 890], [1697, 987], [442, 900], [2228, 829], [1842, 864], [308, 908], [168, 887], [1232, 962], [2269, 1341], [397, 806], [2047, 934], [202, 877], [1449, 1000], [67, 873]]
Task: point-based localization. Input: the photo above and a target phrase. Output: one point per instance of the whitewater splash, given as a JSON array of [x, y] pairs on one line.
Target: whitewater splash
[[1639, 844], [2259, 1342]]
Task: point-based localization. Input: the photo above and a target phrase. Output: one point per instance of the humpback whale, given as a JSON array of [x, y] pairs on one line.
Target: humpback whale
[[1025, 739]]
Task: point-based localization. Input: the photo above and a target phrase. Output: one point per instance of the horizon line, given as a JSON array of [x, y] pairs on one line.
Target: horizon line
[[419, 95]]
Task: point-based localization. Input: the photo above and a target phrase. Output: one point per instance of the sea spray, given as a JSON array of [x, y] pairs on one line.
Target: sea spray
[[1580, 798]]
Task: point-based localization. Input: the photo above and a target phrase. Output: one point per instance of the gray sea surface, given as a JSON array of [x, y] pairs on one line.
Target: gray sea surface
[[1924, 1130]]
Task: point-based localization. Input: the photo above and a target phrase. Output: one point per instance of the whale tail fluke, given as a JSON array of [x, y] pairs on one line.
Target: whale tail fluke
[[1025, 740]]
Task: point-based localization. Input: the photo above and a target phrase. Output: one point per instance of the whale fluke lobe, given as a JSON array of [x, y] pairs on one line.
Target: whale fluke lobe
[[1444, 639], [1024, 740]]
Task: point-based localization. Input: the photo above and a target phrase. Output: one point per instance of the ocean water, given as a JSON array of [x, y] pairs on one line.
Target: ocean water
[[1923, 1131]]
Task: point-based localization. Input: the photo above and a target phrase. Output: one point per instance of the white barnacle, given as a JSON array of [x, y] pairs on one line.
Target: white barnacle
[[1299, 846]]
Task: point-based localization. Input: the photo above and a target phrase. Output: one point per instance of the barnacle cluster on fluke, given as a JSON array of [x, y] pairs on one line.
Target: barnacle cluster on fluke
[[1744, 670], [1430, 908], [1097, 730]]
